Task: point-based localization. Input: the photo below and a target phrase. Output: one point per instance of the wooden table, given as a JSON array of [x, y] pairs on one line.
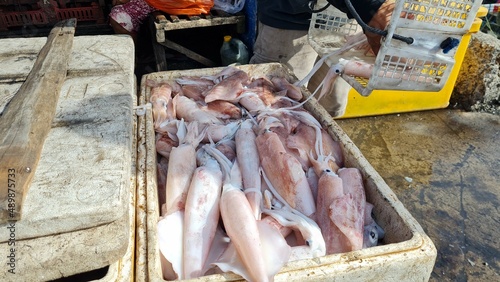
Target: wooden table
[[163, 23]]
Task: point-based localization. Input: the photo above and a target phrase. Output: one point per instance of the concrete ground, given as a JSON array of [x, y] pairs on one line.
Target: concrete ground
[[444, 167]]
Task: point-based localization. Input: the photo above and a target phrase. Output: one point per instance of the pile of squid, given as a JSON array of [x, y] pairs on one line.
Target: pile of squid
[[248, 180]]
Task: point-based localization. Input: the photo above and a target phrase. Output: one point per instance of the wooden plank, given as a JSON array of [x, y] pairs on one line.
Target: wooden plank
[[161, 19], [174, 18], [205, 22], [194, 18], [158, 49], [27, 119]]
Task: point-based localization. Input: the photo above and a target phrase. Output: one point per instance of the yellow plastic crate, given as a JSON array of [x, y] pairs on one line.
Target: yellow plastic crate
[[397, 101], [382, 95]]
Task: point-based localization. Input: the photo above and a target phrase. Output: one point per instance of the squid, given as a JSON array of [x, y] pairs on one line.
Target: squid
[[164, 144], [191, 111], [218, 132], [228, 89], [239, 221], [352, 183], [170, 237], [285, 171], [224, 109], [289, 217], [220, 212], [274, 247], [248, 160], [372, 232], [340, 206], [181, 166], [161, 100], [201, 214], [223, 74], [292, 91]]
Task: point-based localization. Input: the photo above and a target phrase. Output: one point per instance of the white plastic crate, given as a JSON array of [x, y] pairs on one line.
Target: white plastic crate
[[423, 65]]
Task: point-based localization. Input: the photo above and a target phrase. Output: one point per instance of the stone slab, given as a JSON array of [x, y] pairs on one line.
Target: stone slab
[[478, 82]]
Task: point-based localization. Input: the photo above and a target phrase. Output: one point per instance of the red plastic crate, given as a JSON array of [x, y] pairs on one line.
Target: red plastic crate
[[14, 19], [92, 13], [48, 13]]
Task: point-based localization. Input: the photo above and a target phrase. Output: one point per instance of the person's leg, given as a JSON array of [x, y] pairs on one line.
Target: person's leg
[[127, 18], [289, 47], [119, 29]]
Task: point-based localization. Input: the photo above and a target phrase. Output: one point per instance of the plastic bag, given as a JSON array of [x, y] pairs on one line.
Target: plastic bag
[[229, 6], [182, 7]]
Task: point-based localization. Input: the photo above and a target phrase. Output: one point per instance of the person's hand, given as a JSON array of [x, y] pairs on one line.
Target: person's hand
[[119, 2], [380, 21]]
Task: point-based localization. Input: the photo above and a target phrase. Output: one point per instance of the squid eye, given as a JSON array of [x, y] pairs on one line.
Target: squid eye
[[328, 170], [373, 235], [308, 243]]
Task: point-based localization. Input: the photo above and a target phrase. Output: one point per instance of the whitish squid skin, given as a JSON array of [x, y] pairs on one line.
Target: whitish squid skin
[[241, 227], [309, 230], [190, 111], [274, 246], [288, 217], [240, 223], [217, 132], [285, 173], [170, 234], [201, 215], [248, 160], [358, 68], [181, 166]]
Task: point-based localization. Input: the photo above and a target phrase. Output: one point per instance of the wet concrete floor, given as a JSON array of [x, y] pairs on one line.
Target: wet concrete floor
[[444, 166]]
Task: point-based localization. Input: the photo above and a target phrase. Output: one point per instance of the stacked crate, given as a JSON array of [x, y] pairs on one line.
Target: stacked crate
[[19, 13]]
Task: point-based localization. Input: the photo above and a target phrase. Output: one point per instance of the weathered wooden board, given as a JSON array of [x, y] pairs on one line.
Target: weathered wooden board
[[26, 121], [184, 22]]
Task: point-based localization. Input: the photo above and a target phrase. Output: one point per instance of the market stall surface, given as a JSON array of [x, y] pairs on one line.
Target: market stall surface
[[444, 167]]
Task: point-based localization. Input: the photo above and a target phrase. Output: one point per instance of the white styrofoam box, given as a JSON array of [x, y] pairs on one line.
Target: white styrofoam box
[[79, 211], [407, 254]]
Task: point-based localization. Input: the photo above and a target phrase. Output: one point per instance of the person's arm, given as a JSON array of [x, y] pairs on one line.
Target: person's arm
[[380, 20], [375, 13], [366, 9]]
